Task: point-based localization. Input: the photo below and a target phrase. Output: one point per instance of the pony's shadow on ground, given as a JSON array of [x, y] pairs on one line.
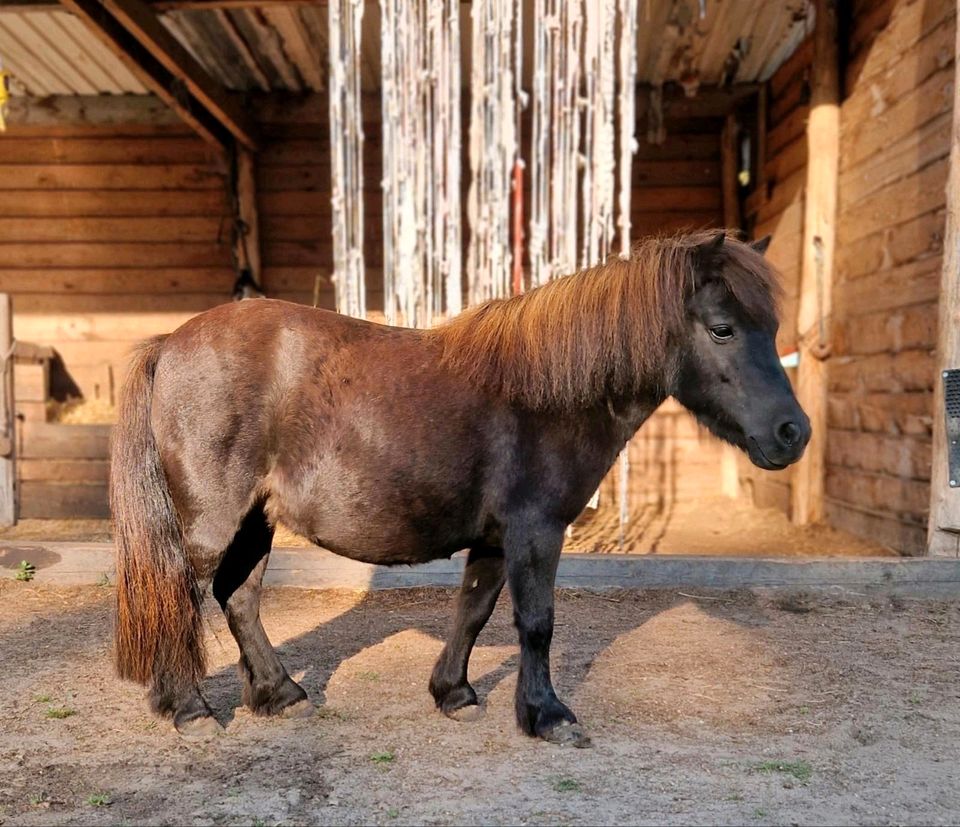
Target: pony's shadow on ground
[[315, 655]]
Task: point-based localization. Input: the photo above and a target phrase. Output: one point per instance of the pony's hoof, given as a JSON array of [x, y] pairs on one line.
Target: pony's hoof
[[466, 714], [301, 709], [205, 726], [567, 734]]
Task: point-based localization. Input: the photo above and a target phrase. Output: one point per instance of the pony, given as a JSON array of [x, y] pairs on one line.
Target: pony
[[488, 433]]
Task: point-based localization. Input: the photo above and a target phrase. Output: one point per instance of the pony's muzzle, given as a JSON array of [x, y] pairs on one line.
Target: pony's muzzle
[[785, 443]]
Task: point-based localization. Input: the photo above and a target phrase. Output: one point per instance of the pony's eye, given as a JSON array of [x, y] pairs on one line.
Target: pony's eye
[[721, 333]]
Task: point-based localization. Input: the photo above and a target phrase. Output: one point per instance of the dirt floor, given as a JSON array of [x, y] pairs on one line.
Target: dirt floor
[[714, 526], [708, 709]]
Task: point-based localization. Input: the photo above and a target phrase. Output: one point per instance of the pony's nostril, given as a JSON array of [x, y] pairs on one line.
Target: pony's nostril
[[789, 433]]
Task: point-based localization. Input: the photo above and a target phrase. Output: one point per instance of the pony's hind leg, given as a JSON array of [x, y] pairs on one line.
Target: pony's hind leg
[[184, 703], [267, 688], [482, 582]]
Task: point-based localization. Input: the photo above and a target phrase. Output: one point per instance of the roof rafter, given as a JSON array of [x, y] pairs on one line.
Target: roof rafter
[[165, 52]]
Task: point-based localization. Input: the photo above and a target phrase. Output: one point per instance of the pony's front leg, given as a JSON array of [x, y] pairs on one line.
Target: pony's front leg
[[483, 579], [532, 552]]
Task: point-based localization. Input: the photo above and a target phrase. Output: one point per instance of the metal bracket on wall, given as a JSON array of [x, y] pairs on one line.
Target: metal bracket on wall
[[951, 405]]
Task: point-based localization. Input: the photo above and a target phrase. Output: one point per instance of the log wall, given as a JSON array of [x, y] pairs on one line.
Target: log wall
[[894, 146]]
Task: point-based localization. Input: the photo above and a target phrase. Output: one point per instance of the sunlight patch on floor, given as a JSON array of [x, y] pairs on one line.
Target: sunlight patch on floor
[[685, 664]]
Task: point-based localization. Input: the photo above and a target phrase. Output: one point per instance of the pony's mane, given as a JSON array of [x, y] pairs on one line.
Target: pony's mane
[[605, 330]]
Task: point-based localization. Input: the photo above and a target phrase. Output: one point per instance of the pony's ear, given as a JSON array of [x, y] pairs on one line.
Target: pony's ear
[[708, 249], [707, 253], [761, 245]]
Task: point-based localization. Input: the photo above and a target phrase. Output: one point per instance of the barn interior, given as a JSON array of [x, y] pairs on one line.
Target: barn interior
[[141, 134]]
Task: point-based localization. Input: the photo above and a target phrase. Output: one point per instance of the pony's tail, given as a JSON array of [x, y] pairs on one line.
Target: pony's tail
[[159, 630]]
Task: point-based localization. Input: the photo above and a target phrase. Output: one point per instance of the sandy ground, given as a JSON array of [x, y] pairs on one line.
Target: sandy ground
[[721, 708], [717, 526]]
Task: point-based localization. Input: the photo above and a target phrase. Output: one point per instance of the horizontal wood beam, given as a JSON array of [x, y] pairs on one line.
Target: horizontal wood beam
[[97, 111], [231, 4], [132, 31]]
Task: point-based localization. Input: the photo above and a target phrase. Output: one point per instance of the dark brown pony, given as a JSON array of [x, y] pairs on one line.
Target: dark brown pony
[[386, 445]]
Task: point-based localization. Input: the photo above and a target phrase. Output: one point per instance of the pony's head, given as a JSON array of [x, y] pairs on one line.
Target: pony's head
[[727, 371], [693, 315]]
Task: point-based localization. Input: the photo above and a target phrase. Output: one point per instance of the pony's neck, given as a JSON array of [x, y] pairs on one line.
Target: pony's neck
[[628, 414]]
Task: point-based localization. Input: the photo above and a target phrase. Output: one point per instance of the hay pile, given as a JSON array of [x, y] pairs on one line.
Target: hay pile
[[82, 412]]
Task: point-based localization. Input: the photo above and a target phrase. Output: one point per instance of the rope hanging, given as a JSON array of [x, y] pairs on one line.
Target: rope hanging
[[565, 166], [346, 148], [493, 147]]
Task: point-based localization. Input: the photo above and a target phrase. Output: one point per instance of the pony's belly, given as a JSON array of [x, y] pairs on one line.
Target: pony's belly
[[380, 505], [385, 545], [378, 531]]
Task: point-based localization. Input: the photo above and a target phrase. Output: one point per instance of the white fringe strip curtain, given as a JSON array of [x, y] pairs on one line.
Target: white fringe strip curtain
[[584, 65], [346, 148], [493, 147], [420, 54], [627, 105], [599, 179], [628, 146], [556, 151], [445, 58]]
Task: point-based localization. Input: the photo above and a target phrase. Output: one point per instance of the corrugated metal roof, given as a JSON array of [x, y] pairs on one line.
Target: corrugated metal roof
[[52, 53], [284, 48]]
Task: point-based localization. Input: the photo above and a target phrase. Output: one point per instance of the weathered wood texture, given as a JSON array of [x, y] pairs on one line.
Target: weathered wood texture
[[894, 147], [895, 123], [943, 530], [62, 470]]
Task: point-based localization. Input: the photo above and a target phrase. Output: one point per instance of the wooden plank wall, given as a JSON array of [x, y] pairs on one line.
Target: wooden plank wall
[[109, 235], [676, 186], [894, 143], [775, 207]]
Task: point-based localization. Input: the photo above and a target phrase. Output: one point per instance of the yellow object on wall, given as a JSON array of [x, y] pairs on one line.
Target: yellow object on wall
[[4, 97]]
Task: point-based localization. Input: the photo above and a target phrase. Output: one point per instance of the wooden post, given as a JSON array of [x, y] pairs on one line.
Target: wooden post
[[761, 153], [249, 244], [816, 279], [730, 169], [8, 421], [729, 161], [943, 529]]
